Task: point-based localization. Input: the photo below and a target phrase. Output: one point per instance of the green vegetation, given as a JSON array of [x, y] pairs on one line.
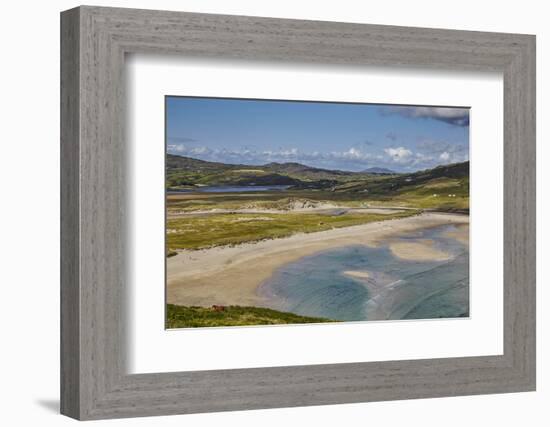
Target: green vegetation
[[186, 172], [444, 188], [276, 200], [203, 231], [280, 200], [178, 316], [440, 193]]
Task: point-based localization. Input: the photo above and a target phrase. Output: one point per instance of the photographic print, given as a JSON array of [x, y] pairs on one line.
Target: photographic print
[[295, 212]]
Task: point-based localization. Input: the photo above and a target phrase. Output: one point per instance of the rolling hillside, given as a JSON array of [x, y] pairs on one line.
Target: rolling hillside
[[404, 182], [445, 187], [380, 171], [184, 172]]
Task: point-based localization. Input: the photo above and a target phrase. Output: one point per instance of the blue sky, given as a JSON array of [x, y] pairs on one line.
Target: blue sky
[[327, 135]]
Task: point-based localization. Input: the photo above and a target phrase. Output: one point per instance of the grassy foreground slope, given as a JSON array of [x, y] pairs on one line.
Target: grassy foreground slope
[[178, 316], [199, 232]]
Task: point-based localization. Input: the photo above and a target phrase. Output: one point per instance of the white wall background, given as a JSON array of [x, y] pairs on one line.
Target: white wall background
[[29, 224]]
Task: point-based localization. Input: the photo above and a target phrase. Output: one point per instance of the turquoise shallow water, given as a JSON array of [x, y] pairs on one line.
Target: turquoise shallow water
[[395, 289]]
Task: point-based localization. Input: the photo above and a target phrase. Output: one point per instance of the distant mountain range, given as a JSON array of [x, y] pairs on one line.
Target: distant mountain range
[[380, 171]]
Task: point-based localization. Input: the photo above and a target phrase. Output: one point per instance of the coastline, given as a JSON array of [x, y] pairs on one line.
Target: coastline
[[231, 275]]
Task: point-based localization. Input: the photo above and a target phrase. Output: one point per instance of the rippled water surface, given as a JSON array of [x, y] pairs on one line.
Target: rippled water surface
[[395, 288]]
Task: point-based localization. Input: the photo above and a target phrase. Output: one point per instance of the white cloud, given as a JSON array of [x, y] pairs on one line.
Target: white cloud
[[200, 150], [353, 158], [177, 148], [453, 116], [292, 152], [421, 159], [444, 113], [184, 149], [352, 153], [399, 154]]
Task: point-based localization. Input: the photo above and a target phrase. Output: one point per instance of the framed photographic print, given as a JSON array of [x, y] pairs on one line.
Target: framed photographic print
[[262, 213], [347, 212]]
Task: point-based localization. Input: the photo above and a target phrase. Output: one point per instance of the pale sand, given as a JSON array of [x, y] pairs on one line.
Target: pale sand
[[462, 234], [419, 250], [357, 274], [231, 275]]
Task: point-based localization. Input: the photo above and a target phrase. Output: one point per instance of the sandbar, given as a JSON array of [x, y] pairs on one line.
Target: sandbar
[[357, 274], [419, 250]]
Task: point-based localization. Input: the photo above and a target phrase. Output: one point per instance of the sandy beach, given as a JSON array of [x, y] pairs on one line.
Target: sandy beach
[[231, 275]]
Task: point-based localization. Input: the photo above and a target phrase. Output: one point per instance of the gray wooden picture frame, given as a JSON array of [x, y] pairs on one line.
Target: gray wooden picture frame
[[94, 381]]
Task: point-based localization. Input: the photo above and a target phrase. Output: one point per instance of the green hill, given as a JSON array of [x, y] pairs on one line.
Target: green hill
[[443, 187], [182, 172]]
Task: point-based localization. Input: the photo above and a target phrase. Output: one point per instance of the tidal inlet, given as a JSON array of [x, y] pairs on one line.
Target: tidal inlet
[[291, 212]]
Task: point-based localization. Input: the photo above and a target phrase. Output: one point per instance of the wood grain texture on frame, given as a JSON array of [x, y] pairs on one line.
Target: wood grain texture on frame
[[94, 380]]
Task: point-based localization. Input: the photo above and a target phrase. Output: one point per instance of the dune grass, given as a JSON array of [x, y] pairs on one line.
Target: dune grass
[[433, 194], [189, 202], [199, 232], [178, 316]]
